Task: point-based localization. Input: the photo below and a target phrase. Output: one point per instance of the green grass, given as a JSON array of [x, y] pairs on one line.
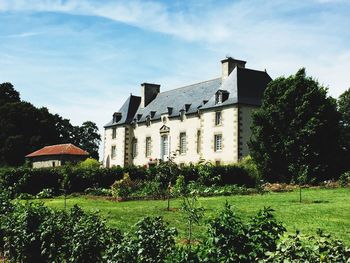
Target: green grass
[[328, 209]]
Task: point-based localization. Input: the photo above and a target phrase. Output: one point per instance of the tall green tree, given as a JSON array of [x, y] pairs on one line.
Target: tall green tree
[[295, 133], [88, 138], [344, 109], [8, 94]]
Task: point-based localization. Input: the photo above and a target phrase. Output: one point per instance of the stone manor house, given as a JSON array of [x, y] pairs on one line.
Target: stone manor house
[[207, 121]]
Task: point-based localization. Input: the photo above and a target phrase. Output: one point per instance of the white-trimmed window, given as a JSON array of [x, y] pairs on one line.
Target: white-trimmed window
[[148, 146], [183, 143], [134, 148], [218, 118], [218, 98], [113, 151], [218, 142], [114, 133]]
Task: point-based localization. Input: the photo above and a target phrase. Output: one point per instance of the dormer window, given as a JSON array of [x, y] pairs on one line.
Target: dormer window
[[218, 98], [116, 117], [153, 113], [148, 121], [221, 96]]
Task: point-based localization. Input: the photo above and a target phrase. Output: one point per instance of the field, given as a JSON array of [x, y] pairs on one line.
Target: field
[[328, 209]]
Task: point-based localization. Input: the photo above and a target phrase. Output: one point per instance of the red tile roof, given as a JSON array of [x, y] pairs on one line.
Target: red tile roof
[[59, 149]]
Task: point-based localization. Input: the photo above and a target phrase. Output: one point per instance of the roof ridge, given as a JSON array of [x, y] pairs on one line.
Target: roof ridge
[[190, 85], [262, 71]]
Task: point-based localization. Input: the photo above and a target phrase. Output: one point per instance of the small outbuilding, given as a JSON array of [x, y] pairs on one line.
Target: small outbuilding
[[57, 155]]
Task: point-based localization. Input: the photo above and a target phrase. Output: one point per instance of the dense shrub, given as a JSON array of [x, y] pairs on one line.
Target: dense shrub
[[124, 188], [320, 248], [232, 240], [344, 179], [68, 178]]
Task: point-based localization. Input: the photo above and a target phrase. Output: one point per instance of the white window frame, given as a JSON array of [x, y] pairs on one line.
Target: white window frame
[[134, 148], [183, 143], [218, 142], [148, 146]]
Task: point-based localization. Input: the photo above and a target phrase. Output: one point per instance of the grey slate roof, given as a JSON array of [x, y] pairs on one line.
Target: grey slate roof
[[177, 98], [127, 111], [244, 85]]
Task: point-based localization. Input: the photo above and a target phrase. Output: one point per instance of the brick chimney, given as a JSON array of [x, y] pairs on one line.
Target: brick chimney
[[229, 64], [148, 93]]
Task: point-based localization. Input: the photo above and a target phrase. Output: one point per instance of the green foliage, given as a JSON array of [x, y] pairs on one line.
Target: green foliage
[[90, 163], [193, 214], [296, 130], [153, 239], [344, 179], [8, 94], [320, 248], [231, 240], [25, 128], [34, 233], [344, 109], [123, 188]]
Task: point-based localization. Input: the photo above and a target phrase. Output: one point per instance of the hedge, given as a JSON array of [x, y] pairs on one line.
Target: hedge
[[72, 179]]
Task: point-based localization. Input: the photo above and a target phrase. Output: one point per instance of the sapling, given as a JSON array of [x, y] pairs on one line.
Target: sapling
[[193, 214]]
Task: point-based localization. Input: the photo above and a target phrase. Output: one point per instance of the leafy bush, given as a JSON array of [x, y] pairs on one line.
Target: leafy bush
[[123, 188], [231, 240], [320, 248], [90, 163], [344, 179]]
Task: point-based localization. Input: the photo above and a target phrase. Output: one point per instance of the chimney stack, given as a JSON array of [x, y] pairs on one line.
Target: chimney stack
[[148, 93], [229, 64]]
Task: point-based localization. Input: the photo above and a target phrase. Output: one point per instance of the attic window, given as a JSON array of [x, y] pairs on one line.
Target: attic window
[[221, 96], [218, 98], [116, 117]]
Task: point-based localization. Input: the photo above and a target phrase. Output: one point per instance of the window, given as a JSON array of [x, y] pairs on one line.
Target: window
[[198, 141], [218, 142], [218, 98], [134, 148], [218, 118], [113, 151], [183, 143], [53, 164], [148, 146], [114, 133]]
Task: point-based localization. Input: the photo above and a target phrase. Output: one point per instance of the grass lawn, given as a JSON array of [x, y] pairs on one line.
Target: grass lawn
[[328, 209]]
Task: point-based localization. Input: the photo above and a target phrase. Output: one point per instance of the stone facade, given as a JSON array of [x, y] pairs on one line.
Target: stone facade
[[206, 121]]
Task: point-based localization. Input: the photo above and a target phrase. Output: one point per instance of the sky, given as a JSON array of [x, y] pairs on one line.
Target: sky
[[82, 58]]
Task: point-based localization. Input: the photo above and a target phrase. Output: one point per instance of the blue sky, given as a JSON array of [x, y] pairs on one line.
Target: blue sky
[[82, 58]]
